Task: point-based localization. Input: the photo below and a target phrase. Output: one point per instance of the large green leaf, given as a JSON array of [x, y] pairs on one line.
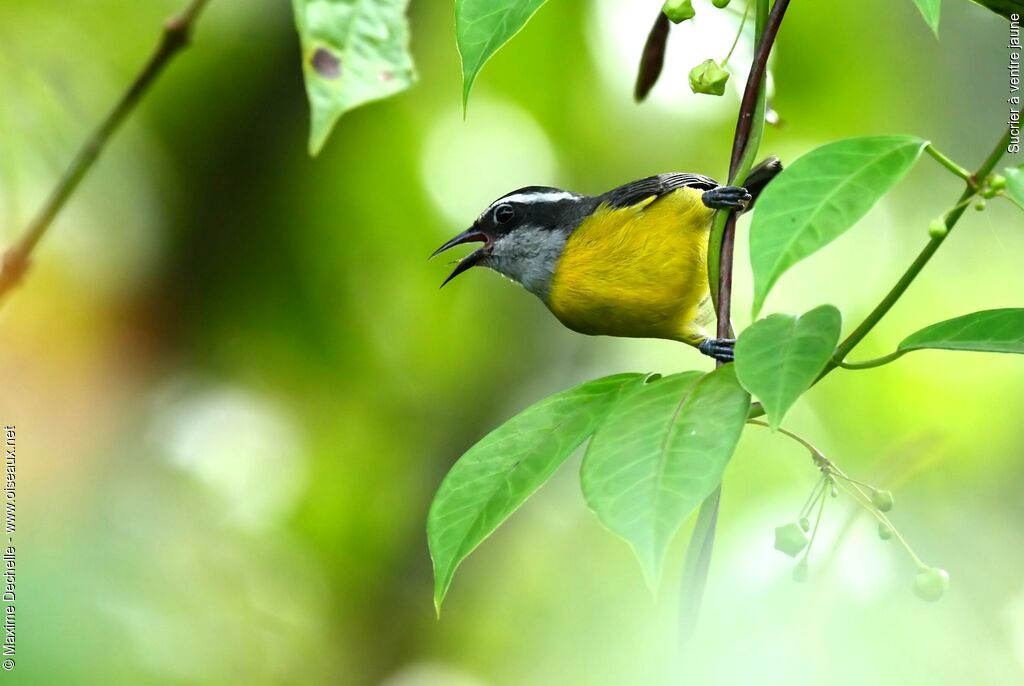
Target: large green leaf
[[353, 52], [930, 10], [779, 357], [660, 452], [482, 27], [995, 331], [820, 196], [499, 473]]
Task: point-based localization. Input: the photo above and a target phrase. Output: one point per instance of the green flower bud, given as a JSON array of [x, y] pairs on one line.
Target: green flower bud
[[989, 193], [931, 584], [884, 531], [800, 572], [937, 229], [805, 524], [997, 182], [980, 205], [720, 3], [882, 500], [834, 492], [790, 539], [709, 78], [678, 10]]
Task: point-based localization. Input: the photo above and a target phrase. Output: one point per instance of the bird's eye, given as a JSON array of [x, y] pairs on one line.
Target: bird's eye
[[503, 214]]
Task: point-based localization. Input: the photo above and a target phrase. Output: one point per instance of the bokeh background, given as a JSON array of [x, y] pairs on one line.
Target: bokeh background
[[236, 385]]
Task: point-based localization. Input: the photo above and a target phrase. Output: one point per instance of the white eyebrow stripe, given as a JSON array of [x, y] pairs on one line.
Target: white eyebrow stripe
[[527, 198]]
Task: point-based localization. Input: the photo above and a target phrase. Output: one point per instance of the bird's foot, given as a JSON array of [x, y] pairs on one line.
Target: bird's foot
[[720, 349], [727, 198]]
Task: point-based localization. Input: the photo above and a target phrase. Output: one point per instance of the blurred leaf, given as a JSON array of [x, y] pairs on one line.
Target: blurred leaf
[[1015, 186], [697, 566], [1003, 7], [653, 58], [818, 197], [482, 27], [930, 10], [996, 331], [353, 52], [499, 473], [660, 452], [779, 357]]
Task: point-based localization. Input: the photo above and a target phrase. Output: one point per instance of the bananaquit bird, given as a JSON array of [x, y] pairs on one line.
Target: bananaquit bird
[[631, 262]]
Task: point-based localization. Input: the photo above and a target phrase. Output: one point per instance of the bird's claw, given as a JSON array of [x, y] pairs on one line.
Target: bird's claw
[[727, 198], [720, 349]]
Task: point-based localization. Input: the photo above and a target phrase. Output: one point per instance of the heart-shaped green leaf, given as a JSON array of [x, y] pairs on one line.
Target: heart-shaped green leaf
[[482, 27], [994, 331], [499, 473], [659, 453], [819, 197], [930, 10], [353, 52], [780, 356]]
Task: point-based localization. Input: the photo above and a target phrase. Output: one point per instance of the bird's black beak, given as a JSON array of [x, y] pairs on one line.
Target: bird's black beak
[[471, 235]]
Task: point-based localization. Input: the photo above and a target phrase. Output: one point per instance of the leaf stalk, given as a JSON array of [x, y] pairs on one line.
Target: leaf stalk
[[949, 164]]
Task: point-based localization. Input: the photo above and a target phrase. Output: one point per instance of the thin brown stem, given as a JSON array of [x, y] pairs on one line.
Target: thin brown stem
[[752, 90], [175, 36], [749, 125]]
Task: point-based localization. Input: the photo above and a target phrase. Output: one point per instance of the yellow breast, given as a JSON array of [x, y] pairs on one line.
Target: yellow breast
[[638, 272]]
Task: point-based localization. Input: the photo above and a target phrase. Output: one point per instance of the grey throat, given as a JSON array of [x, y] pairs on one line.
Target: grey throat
[[529, 256]]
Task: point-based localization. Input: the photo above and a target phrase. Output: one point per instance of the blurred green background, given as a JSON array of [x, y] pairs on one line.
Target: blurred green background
[[236, 385]]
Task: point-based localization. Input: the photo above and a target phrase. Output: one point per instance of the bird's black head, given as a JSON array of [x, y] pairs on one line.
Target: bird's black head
[[523, 233]]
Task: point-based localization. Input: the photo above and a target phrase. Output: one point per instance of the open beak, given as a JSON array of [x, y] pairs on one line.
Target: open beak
[[470, 235]]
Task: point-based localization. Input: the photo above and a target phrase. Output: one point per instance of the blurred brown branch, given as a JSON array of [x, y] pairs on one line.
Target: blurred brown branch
[[744, 147], [746, 141], [176, 34]]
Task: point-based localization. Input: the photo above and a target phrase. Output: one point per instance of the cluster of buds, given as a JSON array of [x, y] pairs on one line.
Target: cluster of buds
[[710, 76], [796, 538], [993, 186], [680, 10]]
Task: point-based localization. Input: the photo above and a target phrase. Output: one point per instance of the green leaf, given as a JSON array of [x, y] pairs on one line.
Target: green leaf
[[353, 52], [994, 331], [1015, 185], [930, 10], [482, 27], [819, 197], [660, 452], [499, 473], [779, 357], [1003, 7]]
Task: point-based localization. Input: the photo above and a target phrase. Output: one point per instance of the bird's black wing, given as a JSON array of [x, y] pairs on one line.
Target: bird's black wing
[[656, 186]]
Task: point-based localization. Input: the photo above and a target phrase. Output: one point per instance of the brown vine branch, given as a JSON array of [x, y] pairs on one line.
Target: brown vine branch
[[743, 153], [176, 34], [746, 141]]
